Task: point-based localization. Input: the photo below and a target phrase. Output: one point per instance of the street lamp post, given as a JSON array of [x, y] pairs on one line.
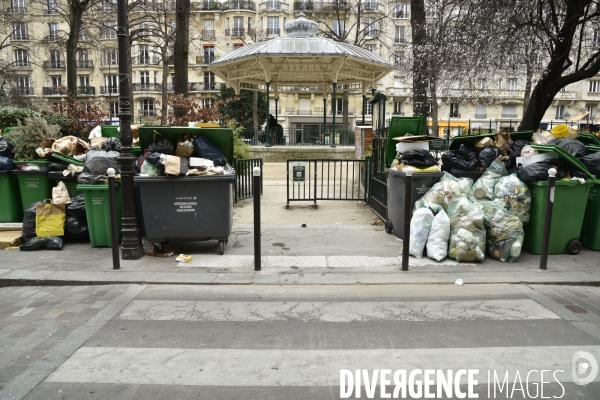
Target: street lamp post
[[131, 248]]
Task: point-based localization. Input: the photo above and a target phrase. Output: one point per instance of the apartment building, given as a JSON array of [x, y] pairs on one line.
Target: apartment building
[[37, 31]]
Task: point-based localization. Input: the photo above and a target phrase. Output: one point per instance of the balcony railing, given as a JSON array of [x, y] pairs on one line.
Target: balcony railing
[[369, 6], [203, 60], [273, 5], [147, 87], [272, 32], [207, 34], [51, 37], [454, 115], [401, 14], [85, 64], [304, 112], [206, 6], [109, 62], [514, 115], [238, 5], [371, 33], [17, 10], [238, 32], [481, 116], [19, 36], [147, 113], [86, 90], [22, 64], [54, 91], [24, 91], [399, 39], [144, 60], [53, 64], [109, 90]]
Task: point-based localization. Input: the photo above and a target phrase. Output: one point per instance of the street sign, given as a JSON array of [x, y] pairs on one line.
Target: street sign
[[298, 171]]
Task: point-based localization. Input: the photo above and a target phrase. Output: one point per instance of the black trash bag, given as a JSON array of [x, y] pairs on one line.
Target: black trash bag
[[515, 151], [98, 162], [162, 145], [77, 207], [207, 149], [77, 229], [28, 229], [57, 166], [418, 158], [87, 178], [154, 159], [592, 163], [111, 144], [463, 158], [538, 171], [575, 147], [47, 243], [6, 148], [7, 164], [487, 156]]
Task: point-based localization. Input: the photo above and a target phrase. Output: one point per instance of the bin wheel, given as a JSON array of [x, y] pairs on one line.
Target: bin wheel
[[574, 247], [389, 228], [221, 247]]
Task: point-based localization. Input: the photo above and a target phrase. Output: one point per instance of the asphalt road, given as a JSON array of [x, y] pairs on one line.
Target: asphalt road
[[292, 342]]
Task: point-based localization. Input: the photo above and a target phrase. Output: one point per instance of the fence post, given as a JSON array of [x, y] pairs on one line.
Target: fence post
[[257, 259], [114, 231], [548, 218], [407, 207], [236, 181]]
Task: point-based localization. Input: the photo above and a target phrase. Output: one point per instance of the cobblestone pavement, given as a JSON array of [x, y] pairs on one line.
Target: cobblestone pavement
[[33, 320]]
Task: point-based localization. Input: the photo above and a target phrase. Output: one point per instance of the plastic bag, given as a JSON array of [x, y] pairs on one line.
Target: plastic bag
[[154, 159], [6, 148], [88, 178], [111, 144], [463, 158], [538, 171], [446, 189], [207, 149], [28, 228], [47, 243], [504, 231], [437, 241], [418, 158], [560, 131], [77, 229], [592, 163], [58, 166], [420, 224], [60, 194], [7, 164], [149, 169], [515, 195], [487, 156], [77, 207], [574, 147], [467, 232], [483, 188], [515, 151], [99, 161], [161, 145], [50, 219]]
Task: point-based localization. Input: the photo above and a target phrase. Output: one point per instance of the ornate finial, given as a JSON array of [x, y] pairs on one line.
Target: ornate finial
[[300, 27]]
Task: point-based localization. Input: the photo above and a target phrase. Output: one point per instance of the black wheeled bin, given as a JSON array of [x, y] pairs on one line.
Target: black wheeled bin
[[396, 186]]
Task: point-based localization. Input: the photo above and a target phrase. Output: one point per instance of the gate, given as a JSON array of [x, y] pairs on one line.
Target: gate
[[321, 179], [244, 186], [378, 178]]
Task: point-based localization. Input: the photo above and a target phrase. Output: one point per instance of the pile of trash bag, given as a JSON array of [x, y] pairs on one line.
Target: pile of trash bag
[[483, 188], [448, 188], [515, 195], [538, 171], [487, 155], [6, 148], [592, 163], [467, 231], [505, 233], [76, 224], [463, 158], [574, 147]]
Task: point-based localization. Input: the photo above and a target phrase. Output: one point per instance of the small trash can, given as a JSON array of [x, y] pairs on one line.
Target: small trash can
[[396, 186], [34, 186], [97, 210], [11, 209]]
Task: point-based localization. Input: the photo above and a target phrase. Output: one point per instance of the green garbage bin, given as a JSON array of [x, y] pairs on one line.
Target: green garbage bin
[[11, 209], [590, 231], [34, 186], [97, 210]]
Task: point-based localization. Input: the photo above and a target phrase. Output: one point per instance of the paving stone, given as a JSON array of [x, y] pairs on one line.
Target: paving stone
[[9, 372], [29, 357], [62, 332], [65, 316], [47, 344], [26, 331]]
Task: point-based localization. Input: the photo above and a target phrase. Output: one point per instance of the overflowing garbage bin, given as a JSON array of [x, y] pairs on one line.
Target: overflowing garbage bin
[[97, 210], [34, 184], [590, 231], [11, 209]]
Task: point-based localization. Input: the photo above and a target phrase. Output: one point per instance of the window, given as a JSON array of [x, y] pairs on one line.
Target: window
[[513, 62], [111, 84], [110, 56], [338, 28], [24, 85], [209, 80], [238, 26], [55, 59], [52, 7], [591, 112], [339, 106], [304, 106], [83, 60], [560, 111], [594, 87], [84, 80], [208, 102], [52, 31], [209, 54], [208, 29], [509, 111], [482, 84], [398, 59], [369, 27], [429, 108], [273, 4], [109, 5], [431, 10], [370, 5], [109, 31], [21, 58], [145, 79], [273, 26], [399, 37], [56, 81], [143, 54], [113, 108], [511, 84], [18, 7], [84, 33], [399, 108], [144, 29], [454, 110], [147, 108], [480, 110], [371, 47], [401, 10], [20, 31]]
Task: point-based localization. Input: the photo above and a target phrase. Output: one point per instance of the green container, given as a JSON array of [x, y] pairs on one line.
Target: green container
[[73, 189], [97, 210], [400, 126], [34, 186], [110, 131], [10, 198], [570, 199], [590, 231], [68, 160]]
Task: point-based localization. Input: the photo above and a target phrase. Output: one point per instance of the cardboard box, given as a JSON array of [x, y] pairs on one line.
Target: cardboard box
[[10, 239]]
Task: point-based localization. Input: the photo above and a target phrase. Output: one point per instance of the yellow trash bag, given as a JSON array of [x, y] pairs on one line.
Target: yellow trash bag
[[49, 219], [560, 131]]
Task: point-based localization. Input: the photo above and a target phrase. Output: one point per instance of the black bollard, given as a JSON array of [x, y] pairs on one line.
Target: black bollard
[[548, 219], [256, 189], [114, 231], [407, 208]]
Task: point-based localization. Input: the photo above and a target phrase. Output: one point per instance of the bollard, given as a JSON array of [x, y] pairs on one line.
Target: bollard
[[256, 189], [407, 209], [114, 232], [548, 219]]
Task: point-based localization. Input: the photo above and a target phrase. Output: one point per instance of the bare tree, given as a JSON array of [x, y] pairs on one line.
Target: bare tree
[[182, 18]]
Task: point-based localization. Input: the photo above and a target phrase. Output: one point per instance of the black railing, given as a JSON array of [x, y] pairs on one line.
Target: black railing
[[244, 186], [17, 10], [238, 32], [86, 90], [480, 115], [144, 60], [22, 63], [206, 6], [401, 14], [54, 91], [24, 91], [109, 90], [147, 87], [273, 32], [53, 65], [297, 137], [378, 178], [87, 64], [207, 34], [238, 5], [109, 62], [19, 36], [399, 39]]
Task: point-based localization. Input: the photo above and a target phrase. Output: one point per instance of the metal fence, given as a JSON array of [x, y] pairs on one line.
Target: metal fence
[[297, 137], [378, 178], [320, 179], [244, 186]]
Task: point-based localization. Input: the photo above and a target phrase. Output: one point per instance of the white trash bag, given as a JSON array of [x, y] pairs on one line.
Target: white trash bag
[[439, 234], [419, 230]]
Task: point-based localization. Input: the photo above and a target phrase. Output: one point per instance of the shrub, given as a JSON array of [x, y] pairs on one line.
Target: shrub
[[27, 137], [11, 116]]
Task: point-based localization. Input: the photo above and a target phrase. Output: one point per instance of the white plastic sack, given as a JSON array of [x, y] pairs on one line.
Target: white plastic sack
[[437, 241], [96, 132], [419, 231]]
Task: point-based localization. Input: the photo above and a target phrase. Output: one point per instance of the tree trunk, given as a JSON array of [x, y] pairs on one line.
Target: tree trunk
[[528, 80], [182, 34], [417, 21], [72, 42]]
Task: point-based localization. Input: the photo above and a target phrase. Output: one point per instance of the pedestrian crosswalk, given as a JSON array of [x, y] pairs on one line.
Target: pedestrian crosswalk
[[289, 343]]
